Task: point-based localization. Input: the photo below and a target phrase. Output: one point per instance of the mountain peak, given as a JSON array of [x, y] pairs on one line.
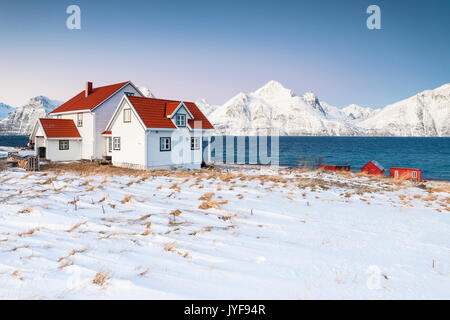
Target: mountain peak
[[274, 89]]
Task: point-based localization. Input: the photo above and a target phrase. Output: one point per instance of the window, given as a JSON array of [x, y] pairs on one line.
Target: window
[[110, 144], [164, 144], [396, 174], [126, 115], [116, 143], [129, 94], [79, 119], [195, 143], [63, 144], [59, 116], [180, 120], [414, 174]]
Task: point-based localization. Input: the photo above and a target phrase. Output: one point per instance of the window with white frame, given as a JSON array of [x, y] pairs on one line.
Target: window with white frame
[[414, 174], [80, 119], [180, 120], [126, 115], [110, 144], [164, 144], [63, 144], [116, 143], [195, 143], [59, 116]]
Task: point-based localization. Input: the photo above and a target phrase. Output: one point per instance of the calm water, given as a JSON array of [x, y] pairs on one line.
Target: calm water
[[432, 155]]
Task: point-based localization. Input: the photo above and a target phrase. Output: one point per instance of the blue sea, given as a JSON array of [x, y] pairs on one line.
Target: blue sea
[[432, 155]]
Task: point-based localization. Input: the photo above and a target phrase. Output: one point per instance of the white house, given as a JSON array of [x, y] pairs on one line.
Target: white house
[[116, 122], [91, 110], [57, 139], [156, 133]]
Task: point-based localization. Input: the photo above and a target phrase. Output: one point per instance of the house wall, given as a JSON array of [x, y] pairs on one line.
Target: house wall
[[132, 151], [54, 154], [39, 140], [405, 173], [103, 114], [86, 132], [180, 154]]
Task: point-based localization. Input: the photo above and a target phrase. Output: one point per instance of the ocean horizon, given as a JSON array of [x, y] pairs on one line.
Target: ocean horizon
[[430, 154]]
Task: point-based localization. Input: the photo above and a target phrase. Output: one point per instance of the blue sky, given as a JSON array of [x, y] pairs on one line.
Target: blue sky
[[215, 49]]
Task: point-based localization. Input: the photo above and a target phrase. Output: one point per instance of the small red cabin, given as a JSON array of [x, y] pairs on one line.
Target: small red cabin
[[333, 168], [373, 168], [406, 173]]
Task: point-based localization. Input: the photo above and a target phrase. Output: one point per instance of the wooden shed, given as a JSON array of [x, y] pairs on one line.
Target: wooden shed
[[406, 173], [374, 168]]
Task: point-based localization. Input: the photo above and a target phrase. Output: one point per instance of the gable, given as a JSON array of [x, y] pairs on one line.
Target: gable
[[81, 102], [119, 115], [154, 113]]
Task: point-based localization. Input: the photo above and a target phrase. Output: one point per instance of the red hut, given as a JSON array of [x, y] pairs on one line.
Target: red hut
[[373, 168], [406, 173], [333, 167]]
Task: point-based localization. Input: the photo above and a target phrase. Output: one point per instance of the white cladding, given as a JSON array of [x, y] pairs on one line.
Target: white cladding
[[94, 123], [133, 145], [132, 140], [141, 148], [53, 152]]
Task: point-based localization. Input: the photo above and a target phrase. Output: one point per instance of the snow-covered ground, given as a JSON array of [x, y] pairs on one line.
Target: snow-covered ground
[[210, 234]]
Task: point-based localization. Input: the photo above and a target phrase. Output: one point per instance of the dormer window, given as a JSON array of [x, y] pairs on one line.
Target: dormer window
[[180, 120], [129, 94]]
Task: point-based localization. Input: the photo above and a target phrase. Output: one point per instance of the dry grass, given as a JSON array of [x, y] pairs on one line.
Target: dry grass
[[76, 226], [25, 210], [207, 196], [143, 273], [29, 232], [212, 204], [102, 277], [126, 199], [65, 263]]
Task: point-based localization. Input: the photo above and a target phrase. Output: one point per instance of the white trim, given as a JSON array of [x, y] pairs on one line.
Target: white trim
[[69, 112], [160, 129], [90, 110]]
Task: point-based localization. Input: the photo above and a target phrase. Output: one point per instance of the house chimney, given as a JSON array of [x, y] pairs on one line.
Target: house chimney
[[88, 89]]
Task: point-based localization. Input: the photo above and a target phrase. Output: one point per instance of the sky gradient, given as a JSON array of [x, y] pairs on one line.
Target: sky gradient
[[214, 49]]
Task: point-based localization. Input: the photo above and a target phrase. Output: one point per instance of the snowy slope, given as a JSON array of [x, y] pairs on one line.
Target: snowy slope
[[22, 119], [424, 114], [146, 92], [261, 235], [5, 110], [280, 109], [357, 113], [276, 109]]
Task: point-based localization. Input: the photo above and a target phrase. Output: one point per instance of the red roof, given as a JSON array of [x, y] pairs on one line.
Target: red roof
[[59, 128], [153, 112], [107, 132], [98, 95]]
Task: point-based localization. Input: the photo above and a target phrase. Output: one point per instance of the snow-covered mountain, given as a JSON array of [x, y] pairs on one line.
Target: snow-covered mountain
[[146, 92], [279, 109], [355, 112], [22, 119], [274, 109], [5, 110], [424, 114]]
